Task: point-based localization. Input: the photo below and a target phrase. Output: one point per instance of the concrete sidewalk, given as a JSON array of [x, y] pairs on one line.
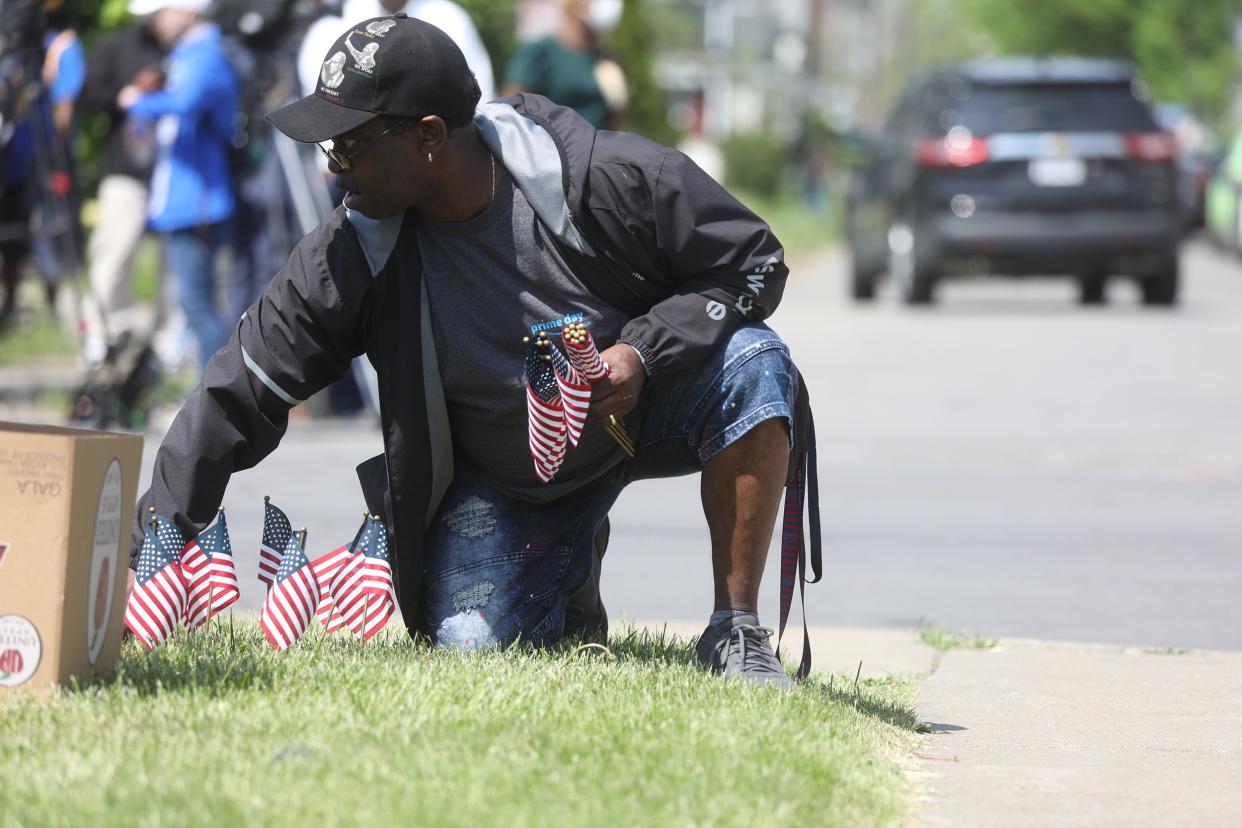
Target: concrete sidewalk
[[1037, 733], [1041, 733], [25, 382]]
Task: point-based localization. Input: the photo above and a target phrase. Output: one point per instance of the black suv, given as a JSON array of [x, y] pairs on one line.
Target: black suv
[[1018, 167]]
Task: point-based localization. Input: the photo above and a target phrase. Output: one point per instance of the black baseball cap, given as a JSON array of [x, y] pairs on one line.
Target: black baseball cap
[[398, 66]]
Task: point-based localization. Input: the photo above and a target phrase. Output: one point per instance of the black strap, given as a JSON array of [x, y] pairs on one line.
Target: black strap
[[803, 487]]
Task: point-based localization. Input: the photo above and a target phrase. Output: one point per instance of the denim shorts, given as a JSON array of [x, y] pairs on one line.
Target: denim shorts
[[499, 569]]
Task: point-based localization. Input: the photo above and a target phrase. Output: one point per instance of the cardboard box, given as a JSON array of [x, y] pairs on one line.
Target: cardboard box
[[66, 508]]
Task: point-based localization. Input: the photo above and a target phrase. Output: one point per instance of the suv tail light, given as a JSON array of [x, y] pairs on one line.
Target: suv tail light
[[1155, 147], [957, 149]]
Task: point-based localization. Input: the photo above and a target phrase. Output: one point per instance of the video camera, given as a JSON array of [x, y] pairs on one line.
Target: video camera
[[265, 24], [22, 24]]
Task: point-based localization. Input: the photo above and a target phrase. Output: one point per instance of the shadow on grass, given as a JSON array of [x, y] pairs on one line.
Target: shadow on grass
[[228, 658], [862, 699], [865, 696], [222, 659]]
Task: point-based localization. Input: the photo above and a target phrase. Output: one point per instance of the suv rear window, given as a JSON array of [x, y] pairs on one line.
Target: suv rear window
[[1049, 107]]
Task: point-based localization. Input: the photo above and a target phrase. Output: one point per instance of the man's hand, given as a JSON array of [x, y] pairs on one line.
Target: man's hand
[[150, 79], [617, 393]]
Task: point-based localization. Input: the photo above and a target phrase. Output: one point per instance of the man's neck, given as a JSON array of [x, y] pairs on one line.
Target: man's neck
[[468, 179]]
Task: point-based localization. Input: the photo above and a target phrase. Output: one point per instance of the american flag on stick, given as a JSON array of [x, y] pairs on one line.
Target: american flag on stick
[[362, 591], [210, 576], [325, 568], [158, 600], [545, 413], [585, 357], [574, 390], [583, 352], [294, 595], [276, 534]]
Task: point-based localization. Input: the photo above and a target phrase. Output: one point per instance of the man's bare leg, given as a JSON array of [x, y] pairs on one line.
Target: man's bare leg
[[741, 492]]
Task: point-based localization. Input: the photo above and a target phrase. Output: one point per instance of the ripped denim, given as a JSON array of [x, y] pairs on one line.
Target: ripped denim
[[499, 569]]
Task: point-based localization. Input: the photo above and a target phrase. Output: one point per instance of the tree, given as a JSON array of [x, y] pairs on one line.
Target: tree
[[1184, 49], [632, 39]]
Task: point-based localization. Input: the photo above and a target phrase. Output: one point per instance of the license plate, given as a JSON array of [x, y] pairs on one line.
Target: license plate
[[1057, 172]]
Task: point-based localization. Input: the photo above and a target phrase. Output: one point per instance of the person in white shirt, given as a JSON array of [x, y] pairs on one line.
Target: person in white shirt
[[445, 15]]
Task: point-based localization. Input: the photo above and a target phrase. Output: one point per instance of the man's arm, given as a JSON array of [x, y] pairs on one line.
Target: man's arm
[[299, 337], [724, 262], [202, 80]]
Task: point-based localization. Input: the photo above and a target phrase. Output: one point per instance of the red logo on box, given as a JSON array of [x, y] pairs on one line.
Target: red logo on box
[[10, 662]]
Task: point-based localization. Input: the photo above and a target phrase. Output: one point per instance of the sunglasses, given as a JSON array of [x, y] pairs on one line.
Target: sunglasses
[[345, 160]]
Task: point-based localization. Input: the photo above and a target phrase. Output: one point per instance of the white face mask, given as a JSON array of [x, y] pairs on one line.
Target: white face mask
[[602, 15]]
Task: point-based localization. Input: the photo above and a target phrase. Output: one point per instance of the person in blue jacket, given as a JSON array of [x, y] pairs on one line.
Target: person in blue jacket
[[191, 195], [37, 187]]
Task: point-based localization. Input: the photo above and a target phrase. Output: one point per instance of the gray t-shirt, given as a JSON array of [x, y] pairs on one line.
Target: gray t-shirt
[[492, 280]]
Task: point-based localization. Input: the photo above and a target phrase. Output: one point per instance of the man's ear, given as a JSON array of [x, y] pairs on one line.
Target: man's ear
[[431, 133]]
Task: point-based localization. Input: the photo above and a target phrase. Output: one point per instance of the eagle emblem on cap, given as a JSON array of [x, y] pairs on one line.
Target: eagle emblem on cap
[[379, 28]]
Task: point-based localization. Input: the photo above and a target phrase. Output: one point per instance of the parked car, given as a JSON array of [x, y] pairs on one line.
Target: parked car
[[1223, 204], [1197, 158], [1018, 167]]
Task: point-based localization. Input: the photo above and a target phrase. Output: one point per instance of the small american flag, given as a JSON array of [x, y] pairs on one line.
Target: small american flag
[[584, 354], [276, 534], [292, 600], [575, 393], [159, 597], [326, 567], [211, 578], [363, 587], [545, 414]]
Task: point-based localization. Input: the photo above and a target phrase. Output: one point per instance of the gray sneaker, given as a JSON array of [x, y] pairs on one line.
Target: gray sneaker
[[739, 647]]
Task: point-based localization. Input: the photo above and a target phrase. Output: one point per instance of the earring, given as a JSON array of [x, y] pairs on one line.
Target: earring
[[428, 158]]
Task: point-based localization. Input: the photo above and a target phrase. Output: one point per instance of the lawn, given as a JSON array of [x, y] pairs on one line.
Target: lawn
[[800, 230], [217, 729], [35, 339]]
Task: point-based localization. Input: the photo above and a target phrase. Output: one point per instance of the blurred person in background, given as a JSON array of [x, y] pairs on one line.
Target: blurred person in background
[[445, 15], [191, 201], [128, 56], [262, 40], [39, 201], [570, 68]]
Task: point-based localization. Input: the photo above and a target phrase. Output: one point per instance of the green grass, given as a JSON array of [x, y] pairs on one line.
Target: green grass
[[943, 638], [218, 729], [147, 263], [30, 341]]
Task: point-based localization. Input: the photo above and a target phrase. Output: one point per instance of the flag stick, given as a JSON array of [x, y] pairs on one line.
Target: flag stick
[[366, 606], [211, 582]]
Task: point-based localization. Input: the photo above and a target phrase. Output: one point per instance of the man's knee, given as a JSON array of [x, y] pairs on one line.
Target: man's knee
[[755, 354], [758, 382]]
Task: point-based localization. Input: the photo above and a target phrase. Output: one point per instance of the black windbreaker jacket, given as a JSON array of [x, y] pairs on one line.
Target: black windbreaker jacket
[[642, 226]]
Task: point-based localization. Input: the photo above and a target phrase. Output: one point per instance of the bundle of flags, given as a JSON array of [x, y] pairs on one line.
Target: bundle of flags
[[558, 394], [546, 427], [188, 583], [349, 587]]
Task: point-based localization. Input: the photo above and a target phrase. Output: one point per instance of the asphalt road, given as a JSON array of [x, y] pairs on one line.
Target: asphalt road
[[1006, 463]]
